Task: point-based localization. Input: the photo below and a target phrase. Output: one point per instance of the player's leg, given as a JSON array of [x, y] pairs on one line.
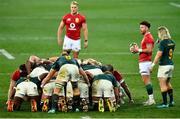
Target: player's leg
[[149, 89], [76, 96], [109, 95], [17, 103], [170, 88], [67, 45], [47, 93], [75, 54], [164, 75], [164, 88], [55, 97], [97, 96], [127, 91], [145, 75], [33, 94], [76, 47], [170, 93], [60, 82], [19, 95], [84, 95], [69, 96]]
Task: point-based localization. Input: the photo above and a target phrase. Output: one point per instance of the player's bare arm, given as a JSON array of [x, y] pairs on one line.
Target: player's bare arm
[[48, 77], [81, 71], [156, 59], [11, 90], [85, 31], [148, 49], [59, 33]]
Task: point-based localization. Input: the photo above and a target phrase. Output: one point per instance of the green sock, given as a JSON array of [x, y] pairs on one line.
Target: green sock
[[55, 98], [149, 89], [170, 93], [164, 96]]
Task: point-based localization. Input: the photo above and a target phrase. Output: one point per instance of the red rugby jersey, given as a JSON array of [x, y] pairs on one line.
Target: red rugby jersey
[[73, 25], [16, 75], [148, 39], [117, 75]]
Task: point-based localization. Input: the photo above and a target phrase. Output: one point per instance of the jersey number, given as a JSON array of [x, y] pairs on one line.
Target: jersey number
[[170, 54]]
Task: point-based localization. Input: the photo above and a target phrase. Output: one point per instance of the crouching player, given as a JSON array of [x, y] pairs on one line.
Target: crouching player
[[29, 86], [69, 70], [104, 87], [121, 82], [20, 72]]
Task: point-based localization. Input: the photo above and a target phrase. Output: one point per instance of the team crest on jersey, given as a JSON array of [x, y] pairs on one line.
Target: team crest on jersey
[[77, 20]]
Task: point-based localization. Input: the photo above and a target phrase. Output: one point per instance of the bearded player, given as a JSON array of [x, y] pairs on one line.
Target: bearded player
[[73, 22], [145, 55]]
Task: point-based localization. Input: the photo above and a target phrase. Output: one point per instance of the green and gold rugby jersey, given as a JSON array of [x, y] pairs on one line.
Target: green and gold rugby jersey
[[167, 47], [64, 60], [108, 77]]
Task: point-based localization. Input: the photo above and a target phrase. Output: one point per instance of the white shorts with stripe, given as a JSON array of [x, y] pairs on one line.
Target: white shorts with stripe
[[165, 71], [144, 68]]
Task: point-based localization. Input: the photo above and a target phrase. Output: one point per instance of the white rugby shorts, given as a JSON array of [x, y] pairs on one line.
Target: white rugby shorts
[[144, 68], [48, 89], [26, 88], [68, 72], [102, 88], [70, 44], [165, 71]]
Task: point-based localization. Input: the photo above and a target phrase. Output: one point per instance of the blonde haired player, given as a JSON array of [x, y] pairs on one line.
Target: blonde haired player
[[166, 66], [73, 22]]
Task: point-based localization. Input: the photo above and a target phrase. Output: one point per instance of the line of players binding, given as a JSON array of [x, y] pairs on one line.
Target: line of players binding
[[105, 89]]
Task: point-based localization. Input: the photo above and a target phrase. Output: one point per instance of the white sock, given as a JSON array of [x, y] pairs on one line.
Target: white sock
[[151, 97]]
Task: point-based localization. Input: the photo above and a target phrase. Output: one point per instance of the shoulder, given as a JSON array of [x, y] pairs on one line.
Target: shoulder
[[149, 38], [15, 75], [66, 16], [82, 16]]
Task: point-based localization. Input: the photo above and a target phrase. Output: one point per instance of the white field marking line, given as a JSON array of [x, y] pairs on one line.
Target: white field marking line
[[92, 17], [174, 4], [6, 54], [90, 53], [26, 38], [128, 73]]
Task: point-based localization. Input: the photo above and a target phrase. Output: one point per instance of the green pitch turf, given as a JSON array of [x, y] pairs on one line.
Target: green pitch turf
[[29, 27]]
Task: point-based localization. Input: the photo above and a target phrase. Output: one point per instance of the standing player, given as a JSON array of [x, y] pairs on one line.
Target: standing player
[[166, 67], [145, 55], [73, 22]]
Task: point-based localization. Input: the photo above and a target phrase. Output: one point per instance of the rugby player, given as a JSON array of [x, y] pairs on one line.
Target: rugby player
[[68, 70], [166, 66], [145, 55], [73, 22]]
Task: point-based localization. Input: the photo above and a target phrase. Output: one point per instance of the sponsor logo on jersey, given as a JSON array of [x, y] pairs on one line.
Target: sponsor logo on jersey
[[72, 26]]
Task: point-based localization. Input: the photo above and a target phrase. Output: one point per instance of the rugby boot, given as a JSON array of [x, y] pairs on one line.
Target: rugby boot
[[101, 105]]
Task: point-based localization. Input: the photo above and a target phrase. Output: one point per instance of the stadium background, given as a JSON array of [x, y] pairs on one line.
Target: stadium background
[[29, 27]]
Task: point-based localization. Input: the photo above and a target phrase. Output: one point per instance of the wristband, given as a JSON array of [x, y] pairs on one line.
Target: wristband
[[152, 65], [139, 50]]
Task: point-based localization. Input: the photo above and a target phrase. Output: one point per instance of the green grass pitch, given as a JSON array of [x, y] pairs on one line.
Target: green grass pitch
[[29, 27]]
